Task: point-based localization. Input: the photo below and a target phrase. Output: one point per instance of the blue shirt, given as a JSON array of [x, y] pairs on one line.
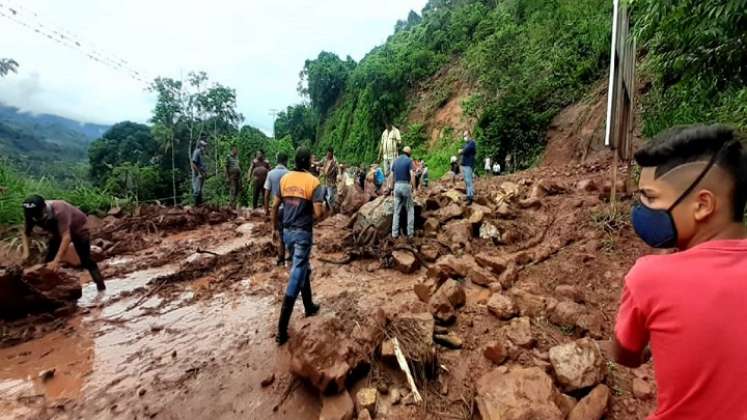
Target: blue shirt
[[272, 182], [402, 167], [468, 154]]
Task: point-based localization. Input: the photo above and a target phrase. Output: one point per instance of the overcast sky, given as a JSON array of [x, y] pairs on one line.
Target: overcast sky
[[257, 47]]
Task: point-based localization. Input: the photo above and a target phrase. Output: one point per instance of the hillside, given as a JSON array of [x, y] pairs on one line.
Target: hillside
[[39, 143]]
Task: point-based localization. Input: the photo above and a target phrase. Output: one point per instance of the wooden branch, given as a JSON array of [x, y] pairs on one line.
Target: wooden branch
[[405, 368]]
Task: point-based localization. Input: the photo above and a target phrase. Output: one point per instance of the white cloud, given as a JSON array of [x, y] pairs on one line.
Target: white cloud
[[257, 47]]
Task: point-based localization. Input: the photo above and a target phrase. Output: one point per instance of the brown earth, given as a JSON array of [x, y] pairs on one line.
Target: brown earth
[[181, 333]]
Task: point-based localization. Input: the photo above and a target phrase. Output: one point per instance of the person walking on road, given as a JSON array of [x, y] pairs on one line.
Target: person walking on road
[[258, 175], [199, 172], [388, 147], [468, 166], [688, 305], [302, 196], [330, 171], [272, 189], [66, 224], [233, 175], [404, 185]]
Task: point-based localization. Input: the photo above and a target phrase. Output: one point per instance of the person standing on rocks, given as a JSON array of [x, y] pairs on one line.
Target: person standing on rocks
[[199, 172], [468, 166], [233, 175], [329, 170], [258, 175], [388, 147], [272, 188], [66, 224], [404, 185], [689, 305], [302, 197]]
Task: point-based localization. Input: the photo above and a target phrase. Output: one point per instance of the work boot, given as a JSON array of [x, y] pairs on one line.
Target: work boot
[[285, 315], [309, 307], [97, 278]]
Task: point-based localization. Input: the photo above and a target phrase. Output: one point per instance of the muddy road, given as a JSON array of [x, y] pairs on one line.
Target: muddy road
[[184, 333]]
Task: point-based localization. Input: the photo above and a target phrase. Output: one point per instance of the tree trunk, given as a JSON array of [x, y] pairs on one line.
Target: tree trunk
[[173, 171]]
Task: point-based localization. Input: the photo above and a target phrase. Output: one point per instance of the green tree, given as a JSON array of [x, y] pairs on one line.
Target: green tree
[[125, 142], [323, 79], [299, 122], [166, 114]]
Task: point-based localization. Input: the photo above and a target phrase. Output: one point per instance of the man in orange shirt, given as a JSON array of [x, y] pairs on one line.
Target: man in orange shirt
[[689, 305], [303, 199]]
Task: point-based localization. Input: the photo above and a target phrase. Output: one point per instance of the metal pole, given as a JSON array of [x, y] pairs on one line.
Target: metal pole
[[613, 69]]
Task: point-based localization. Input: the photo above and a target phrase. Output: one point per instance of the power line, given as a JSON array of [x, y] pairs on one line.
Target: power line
[[33, 22]]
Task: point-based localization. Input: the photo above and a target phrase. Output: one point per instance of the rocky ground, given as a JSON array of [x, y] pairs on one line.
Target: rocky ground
[[494, 310]]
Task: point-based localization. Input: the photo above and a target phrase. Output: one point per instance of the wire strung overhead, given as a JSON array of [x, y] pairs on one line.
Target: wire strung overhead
[[33, 22]]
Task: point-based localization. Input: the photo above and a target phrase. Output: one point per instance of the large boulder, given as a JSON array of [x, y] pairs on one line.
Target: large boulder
[[578, 364], [353, 198], [376, 214], [517, 394], [327, 348], [528, 304], [405, 262], [459, 233], [453, 291], [452, 211], [502, 306], [36, 290]]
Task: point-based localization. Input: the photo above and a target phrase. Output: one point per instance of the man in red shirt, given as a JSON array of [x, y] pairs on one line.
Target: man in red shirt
[[690, 305]]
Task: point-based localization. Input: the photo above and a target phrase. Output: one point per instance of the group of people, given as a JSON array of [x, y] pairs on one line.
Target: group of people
[[682, 308]]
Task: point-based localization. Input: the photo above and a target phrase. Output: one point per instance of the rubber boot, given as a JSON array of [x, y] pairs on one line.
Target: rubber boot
[[97, 278], [285, 315], [308, 304]]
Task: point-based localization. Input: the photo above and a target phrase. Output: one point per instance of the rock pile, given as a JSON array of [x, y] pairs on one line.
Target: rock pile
[[36, 290]]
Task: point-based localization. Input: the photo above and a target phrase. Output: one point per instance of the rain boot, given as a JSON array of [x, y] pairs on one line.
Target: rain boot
[[97, 278], [308, 304], [285, 315]]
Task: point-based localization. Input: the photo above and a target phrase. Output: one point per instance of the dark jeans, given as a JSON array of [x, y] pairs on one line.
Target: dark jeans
[[299, 244], [281, 240], [83, 248], [258, 191]]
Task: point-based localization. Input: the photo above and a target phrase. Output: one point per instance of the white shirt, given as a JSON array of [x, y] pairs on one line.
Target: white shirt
[[497, 167], [487, 164], [390, 140]]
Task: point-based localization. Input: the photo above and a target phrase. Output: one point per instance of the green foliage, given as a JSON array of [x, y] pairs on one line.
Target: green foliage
[[696, 62], [124, 143], [17, 187], [137, 182], [297, 121], [323, 79], [529, 60]]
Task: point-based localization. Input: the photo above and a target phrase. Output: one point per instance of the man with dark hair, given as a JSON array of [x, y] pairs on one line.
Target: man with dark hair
[[258, 175], [66, 224], [272, 188], [302, 197], [233, 175], [693, 190], [468, 165]]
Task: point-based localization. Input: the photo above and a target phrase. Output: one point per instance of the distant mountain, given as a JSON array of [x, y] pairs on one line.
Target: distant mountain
[[42, 143]]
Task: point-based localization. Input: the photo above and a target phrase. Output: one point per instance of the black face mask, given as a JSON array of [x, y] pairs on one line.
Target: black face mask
[[656, 227]]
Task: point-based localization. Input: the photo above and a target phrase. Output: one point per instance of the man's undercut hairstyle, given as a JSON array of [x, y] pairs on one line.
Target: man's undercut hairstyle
[[303, 159], [283, 158], [700, 143], [34, 206]]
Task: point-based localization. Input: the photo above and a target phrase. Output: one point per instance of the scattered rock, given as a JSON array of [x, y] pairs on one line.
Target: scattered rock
[[566, 313], [430, 252], [451, 341], [481, 276], [578, 364], [519, 331], [364, 415], [502, 306], [326, 348], [439, 329], [489, 231], [516, 394], [495, 352], [495, 263], [642, 390], [593, 323], [37, 290], [528, 304], [450, 212], [530, 203], [566, 403], [570, 292], [510, 276], [593, 406], [431, 225], [459, 233], [365, 399], [504, 212], [268, 380], [454, 292], [387, 351], [405, 262], [521, 258], [395, 396], [455, 196], [443, 311], [337, 407], [586, 186], [425, 289]]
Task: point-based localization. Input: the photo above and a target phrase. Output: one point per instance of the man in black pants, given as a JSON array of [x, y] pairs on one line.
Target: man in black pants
[[66, 224]]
